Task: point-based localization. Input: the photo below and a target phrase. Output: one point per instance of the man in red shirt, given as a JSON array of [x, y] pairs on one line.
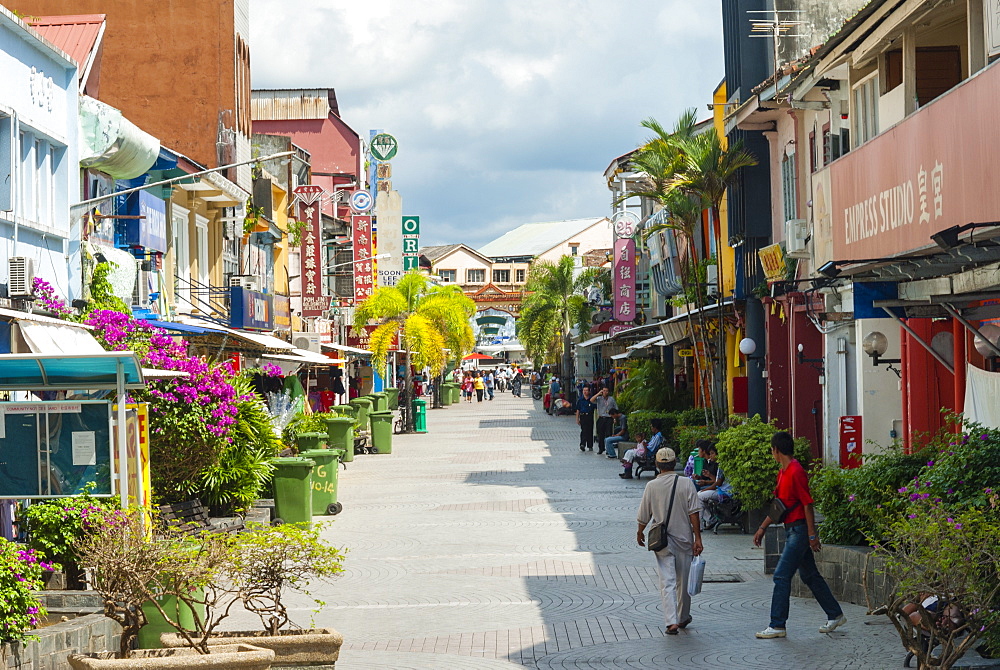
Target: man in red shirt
[[801, 541]]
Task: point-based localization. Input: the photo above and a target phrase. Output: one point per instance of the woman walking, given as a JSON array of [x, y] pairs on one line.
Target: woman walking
[[480, 386], [467, 387]]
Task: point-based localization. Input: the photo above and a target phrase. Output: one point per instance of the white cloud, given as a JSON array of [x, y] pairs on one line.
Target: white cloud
[[507, 111]]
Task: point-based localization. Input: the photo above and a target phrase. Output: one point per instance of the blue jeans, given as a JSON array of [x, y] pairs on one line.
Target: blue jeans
[[798, 555], [609, 445]]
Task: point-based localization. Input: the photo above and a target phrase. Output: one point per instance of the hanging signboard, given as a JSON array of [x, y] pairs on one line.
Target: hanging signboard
[[312, 280], [361, 338], [772, 260], [624, 279], [364, 280], [384, 147], [411, 243]]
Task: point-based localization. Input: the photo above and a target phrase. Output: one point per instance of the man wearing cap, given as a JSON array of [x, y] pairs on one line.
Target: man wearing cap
[[672, 500]]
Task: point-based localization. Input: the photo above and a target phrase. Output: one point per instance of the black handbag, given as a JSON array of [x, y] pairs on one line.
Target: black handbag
[[658, 535], [777, 510]]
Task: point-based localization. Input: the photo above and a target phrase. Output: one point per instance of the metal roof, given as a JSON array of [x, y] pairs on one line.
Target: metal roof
[[22, 372], [79, 35], [293, 104], [534, 239]]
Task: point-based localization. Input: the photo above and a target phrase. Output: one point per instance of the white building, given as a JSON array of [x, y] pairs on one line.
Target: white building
[[39, 168]]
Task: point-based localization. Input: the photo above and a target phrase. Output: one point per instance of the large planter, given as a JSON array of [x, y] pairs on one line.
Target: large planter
[[319, 646], [225, 657]]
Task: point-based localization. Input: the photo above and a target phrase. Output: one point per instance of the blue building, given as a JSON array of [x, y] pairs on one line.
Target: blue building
[[39, 167]]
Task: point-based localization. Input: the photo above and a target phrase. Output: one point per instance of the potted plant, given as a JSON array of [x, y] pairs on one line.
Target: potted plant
[[266, 563], [131, 567]]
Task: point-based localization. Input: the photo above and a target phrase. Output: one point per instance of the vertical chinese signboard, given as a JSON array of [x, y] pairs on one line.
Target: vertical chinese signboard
[[624, 279], [313, 302], [364, 278]]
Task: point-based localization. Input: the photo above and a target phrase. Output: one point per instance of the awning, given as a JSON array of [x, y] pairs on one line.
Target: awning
[[48, 338], [25, 316], [307, 358], [152, 373], [629, 332], [675, 328], [618, 357], [182, 327], [592, 341], [261, 340], [656, 340], [346, 349], [33, 372]]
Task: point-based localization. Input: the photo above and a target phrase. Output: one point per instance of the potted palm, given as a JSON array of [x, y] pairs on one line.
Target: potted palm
[[265, 564], [131, 568]]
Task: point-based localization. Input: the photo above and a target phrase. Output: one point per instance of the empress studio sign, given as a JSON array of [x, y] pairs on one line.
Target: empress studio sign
[[914, 201]]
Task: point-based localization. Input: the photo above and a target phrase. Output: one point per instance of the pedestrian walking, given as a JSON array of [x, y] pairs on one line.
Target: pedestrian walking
[[480, 386], [516, 383], [554, 390], [585, 419], [671, 501], [489, 382], [467, 387], [604, 403], [793, 506]]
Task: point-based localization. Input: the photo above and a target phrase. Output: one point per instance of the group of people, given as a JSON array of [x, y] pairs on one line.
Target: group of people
[[483, 384], [673, 501]]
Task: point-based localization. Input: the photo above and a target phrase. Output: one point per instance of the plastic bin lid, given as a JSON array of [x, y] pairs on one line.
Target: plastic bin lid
[[382, 414], [339, 419], [319, 453], [292, 462], [362, 401], [311, 435]]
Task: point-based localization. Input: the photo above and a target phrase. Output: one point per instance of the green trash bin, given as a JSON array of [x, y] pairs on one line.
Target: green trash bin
[[420, 415], [393, 394], [340, 432], [445, 394], [364, 406], [293, 490], [149, 635], [382, 432], [307, 441], [324, 480], [456, 394], [380, 401], [352, 412]]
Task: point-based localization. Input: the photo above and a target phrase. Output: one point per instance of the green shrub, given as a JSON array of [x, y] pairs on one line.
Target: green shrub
[[960, 468], [745, 456], [692, 416], [855, 502], [54, 526], [685, 438], [649, 386], [638, 422]]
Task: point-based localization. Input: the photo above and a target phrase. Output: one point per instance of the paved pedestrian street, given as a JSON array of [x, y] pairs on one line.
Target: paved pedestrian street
[[492, 542]]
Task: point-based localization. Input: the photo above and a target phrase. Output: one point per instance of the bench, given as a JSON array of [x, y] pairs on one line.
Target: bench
[[191, 518]]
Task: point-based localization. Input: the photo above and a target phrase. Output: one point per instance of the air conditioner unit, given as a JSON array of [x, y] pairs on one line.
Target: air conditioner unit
[[712, 279], [307, 341], [796, 233], [245, 281], [21, 276]]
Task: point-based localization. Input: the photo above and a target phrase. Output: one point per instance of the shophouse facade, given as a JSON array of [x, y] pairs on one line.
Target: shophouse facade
[[38, 162]]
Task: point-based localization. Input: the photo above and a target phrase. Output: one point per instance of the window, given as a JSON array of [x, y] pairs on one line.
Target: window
[[788, 188], [201, 228], [182, 257], [475, 276], [574, 249], [39, 167], [866, 109], [519, 276], [447, 276], [501, 276]]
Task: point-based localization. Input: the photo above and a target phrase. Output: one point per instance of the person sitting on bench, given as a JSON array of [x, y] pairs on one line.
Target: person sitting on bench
[[715, 488], [619, 432], [655, 443]]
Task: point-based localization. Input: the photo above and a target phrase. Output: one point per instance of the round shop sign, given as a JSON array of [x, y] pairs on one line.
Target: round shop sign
[[624, 223], [384, 147], [361, 202]]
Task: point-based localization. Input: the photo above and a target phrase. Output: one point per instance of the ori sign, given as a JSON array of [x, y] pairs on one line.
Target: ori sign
[[250, 310]]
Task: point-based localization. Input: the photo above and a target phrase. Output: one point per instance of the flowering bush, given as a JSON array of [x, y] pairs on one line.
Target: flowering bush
[[45, 296], [20, 575], [54, 526], [271, 370]]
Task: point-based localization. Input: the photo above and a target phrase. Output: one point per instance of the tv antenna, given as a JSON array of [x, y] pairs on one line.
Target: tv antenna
[[776, 24]]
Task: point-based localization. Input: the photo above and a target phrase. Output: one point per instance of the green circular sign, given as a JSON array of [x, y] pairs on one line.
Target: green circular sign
[[384, 147]]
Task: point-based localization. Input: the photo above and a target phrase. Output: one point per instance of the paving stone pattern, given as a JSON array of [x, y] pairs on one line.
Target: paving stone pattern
[[491, 542]]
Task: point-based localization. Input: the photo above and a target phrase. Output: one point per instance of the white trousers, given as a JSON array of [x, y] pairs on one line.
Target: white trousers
[[704, 496], [673, 570]]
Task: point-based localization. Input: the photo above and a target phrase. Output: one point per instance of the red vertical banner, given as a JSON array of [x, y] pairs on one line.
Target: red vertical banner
[[850, 441], [623, 281], [313, 302], [364, 276]]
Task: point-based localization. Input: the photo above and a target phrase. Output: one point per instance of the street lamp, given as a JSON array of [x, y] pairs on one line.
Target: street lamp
[[875, 345]]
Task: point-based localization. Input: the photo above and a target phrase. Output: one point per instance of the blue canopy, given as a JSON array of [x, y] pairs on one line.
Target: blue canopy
[[34, 372], [181, 327]]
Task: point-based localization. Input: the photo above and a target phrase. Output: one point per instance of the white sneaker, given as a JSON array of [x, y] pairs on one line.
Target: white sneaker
[[770, 633], [833, 624]]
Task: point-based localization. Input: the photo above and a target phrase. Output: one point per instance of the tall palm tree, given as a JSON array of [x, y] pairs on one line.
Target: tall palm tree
[[428, 321], [553, 305]]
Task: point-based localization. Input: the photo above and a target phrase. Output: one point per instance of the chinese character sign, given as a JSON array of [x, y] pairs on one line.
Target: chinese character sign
[[313, 302], [364, 276], [623, 281]]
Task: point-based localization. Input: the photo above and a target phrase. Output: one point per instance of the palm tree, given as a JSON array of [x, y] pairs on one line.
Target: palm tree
[[553, 305], [429, 320]]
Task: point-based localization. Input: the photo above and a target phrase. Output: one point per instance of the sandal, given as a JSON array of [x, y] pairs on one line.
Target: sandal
[[684, 624], [672, 630]]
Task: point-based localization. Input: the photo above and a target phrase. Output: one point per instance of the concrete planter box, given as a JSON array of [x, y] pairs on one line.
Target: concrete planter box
[[223, 657], [845, 569], [292, 648]]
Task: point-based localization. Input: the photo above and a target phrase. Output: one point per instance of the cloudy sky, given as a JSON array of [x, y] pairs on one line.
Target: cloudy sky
[[506, 111]]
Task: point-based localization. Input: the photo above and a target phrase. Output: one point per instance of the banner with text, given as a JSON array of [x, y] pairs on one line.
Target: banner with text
[[364, 284], [313, 301], [624, 279], [411, 243]]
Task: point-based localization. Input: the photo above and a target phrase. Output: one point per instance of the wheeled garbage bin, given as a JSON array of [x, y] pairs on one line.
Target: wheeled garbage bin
[[307, 441], [380, 401], [324, 480], [293, 490], [393, 394], [382, 431], [420, 415], [445, 394], [340, 432], [350, 411], [364, 406], [456, 394]]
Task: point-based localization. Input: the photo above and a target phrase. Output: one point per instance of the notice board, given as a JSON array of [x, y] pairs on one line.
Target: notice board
[[53, 449]]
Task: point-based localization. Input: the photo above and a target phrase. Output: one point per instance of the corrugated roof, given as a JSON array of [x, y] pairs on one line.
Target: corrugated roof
[[79, 35], [434, 254], [534, 239], [293, 104]]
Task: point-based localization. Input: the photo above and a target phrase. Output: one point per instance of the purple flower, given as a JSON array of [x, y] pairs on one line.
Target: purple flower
[[984, 436], [851, 497], [902, 490], [913, 516], [930, 464]]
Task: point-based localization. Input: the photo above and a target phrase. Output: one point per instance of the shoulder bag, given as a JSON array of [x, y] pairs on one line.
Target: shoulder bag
[[777, 510], [659, 536]]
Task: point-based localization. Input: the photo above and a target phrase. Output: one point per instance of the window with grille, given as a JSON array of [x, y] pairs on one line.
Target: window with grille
[[866, 109], [447, 276], [788, 188]]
